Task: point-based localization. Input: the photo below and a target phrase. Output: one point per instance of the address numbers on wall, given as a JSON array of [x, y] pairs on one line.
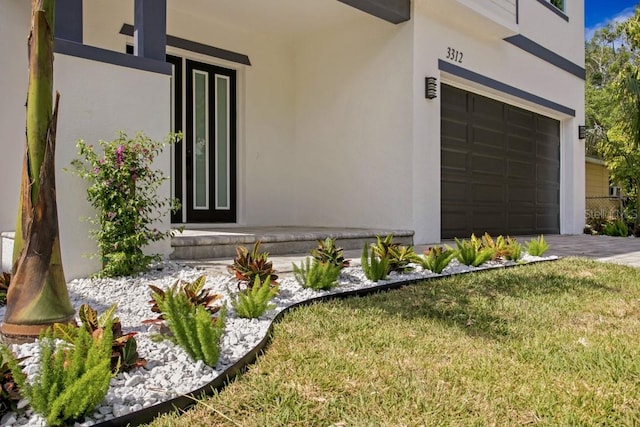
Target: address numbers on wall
[[454, 55]]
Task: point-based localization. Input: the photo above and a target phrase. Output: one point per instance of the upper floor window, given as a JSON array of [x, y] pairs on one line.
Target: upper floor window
[[557, 6], [557, 3]]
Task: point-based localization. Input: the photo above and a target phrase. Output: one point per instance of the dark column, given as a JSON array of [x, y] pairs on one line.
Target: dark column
[[68, 20], [150, 29]]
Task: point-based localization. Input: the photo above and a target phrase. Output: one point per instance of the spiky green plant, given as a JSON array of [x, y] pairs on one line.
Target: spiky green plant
[[398, 257], [253, 301], [192, 326], [470, 252], [515, 250], [328, 252], [437, 258], [537, 246], [374, 268], [194, 292], [247, 265], [615, 228], [316, 275], [499, 245], [124, 348], [72, 379]]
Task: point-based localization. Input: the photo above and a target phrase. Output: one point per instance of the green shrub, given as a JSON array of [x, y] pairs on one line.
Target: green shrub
[[249, 265], [537, 246], [499, 246], [192, 326], [437, 258], [398, 257], [72, 380], [194, 292], [471, 252], [514, 252], [123, 190], [616, 228], [317, 275], [374, 268], [124, 348], [253, 302], [328, 252]]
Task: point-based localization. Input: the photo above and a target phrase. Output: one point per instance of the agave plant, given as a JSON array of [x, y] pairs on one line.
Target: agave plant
[[124, 348], [195, 294], [328, 253], [249, 265]]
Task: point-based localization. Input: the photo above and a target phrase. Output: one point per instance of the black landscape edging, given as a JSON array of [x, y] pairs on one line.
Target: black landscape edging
[[182, 402]]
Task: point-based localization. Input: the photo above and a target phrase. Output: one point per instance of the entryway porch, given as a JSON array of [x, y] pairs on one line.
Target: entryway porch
[[221, 242]]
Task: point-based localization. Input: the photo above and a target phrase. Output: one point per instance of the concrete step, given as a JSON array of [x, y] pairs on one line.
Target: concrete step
[[222, 242]]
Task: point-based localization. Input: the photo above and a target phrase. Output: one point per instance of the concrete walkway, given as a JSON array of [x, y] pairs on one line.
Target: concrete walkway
[[617, 250]]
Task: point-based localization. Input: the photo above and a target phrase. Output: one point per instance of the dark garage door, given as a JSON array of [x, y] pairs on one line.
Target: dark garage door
[[500, 168]]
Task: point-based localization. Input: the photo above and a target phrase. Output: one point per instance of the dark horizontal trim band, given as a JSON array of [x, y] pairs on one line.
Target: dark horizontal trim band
[[394, 11], [554, 9], [502, 87], [191, 46], [93, 53], [547, 55]]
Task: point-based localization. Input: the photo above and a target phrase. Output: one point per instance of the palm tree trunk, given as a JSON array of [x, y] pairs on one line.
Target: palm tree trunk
[[38, 295]]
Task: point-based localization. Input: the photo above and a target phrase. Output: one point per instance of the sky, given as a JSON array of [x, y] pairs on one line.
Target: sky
[[599, 12]]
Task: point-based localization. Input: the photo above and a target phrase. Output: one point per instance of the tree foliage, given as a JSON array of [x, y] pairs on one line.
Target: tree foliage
[[612, 94]]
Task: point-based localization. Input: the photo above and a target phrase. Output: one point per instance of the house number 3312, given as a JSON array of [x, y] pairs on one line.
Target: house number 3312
[[454, 55]]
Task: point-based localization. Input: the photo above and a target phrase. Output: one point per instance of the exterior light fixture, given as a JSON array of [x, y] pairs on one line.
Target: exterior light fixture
[[582, 132], [430, 87]]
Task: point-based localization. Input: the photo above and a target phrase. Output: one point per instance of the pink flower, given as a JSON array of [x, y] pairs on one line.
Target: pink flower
[[120, 154]]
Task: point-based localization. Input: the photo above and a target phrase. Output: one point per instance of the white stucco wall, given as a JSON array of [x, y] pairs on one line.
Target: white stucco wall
[[120, 99], [97, 100], [266, 107], [498, 60], [15, 18], [353, 127]]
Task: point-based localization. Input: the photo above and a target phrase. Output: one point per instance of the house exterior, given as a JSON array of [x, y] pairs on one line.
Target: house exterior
[[440, 116], [603, 200]]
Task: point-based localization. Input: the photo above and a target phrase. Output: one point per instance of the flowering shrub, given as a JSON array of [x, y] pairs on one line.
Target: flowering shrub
[[122, 189]]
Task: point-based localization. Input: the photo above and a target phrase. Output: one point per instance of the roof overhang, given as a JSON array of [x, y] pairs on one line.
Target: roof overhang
[[394, 11]]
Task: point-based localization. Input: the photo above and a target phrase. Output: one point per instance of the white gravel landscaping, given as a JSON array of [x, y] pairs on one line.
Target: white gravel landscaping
[[169, 371]]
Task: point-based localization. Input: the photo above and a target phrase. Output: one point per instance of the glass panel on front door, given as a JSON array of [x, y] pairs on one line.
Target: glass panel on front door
[[222, 142], [210, 144], [200, 141]]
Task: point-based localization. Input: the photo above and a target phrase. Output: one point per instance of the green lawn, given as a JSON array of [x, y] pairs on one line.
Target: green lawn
[[552, 344]]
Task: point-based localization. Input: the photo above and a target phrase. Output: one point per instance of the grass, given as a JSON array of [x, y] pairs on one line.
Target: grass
[[547, 344]]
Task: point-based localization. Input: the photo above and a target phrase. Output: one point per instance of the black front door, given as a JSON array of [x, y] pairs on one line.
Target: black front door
[[209, 143]]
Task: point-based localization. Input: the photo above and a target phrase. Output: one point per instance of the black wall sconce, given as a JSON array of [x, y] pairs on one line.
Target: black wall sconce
[[430, 87], [582, 132]]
